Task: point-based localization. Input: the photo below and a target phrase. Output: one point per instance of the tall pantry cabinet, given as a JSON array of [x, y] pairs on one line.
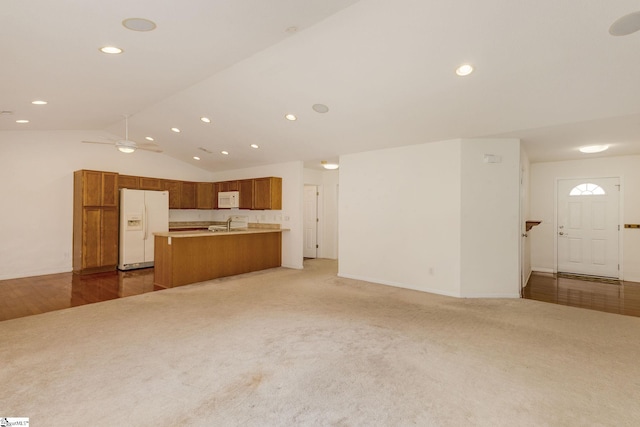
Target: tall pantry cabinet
[[95, 221]]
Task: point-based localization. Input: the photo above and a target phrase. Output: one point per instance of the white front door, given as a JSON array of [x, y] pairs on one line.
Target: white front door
[[588, 226], [310, 221]]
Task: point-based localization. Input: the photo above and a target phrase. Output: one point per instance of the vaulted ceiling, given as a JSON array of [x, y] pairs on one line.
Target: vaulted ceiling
[[547, 72]]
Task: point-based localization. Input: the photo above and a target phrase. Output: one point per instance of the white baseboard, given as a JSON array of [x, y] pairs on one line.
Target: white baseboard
[[543, 270], [397, 285]]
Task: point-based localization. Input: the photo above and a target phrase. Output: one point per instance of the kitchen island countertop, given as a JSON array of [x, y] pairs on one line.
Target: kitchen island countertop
[[207, 233]]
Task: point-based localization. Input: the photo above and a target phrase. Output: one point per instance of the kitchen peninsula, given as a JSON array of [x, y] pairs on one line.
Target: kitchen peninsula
[[184, 257]]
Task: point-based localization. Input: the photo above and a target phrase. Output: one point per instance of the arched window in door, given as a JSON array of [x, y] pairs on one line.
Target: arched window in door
[[587, 189]]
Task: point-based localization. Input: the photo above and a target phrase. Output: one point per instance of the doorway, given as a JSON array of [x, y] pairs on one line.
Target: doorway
[[588, 226], [310, 221]]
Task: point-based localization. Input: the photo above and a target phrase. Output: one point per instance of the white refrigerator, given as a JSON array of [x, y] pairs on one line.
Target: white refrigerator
[[142, 213]]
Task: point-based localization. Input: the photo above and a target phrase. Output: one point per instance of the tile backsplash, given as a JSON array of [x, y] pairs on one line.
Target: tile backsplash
[[269, 217]]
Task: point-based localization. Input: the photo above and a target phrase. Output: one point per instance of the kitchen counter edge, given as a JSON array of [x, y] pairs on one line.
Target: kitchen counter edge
[[201, 233]]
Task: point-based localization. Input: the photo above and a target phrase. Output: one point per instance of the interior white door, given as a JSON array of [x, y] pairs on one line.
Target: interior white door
[[310, 221], [588, 226]]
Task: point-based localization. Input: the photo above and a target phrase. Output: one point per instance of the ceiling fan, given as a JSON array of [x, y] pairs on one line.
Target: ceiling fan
[[126, 145]]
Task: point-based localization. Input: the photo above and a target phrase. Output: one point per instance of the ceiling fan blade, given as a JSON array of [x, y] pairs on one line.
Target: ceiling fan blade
[[628, 24], [98, 142], [150, 148]]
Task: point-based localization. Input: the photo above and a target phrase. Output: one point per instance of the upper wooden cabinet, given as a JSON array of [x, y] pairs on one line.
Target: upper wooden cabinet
[[245, 187], [175, 192], [140, 183], [188, 195], [101, 189], [128, 181], [96, 188], [150, 184], [267, 193], [228, 186], [204, 195]]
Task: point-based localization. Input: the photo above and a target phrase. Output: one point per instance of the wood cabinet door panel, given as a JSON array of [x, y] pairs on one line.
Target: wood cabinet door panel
[[91, 223], [188, 196], [267, 193], [128, 181], [109, 237], [204, 195], [175, 189], [150, 184], [109, 189], [246, 193], [91, 188]]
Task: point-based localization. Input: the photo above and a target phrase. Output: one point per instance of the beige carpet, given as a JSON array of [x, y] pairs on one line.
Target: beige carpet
[[286, 348]]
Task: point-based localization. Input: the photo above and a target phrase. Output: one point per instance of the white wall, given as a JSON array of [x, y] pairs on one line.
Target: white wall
[[399, 213], [433, 217], [291, 216], [490, 219], [525, 214], [37, 168], [327, 183], [543, 189]]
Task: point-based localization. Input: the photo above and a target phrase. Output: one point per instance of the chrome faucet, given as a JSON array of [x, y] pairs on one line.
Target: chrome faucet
[[229, 223]]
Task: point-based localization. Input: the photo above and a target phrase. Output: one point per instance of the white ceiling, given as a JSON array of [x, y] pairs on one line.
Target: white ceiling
[[546, 71]]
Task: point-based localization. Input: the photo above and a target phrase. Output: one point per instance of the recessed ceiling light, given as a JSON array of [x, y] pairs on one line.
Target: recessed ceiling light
[[176, 130], [196, 158], [320, 108], [39, 102], [590, 149], [226, 153], [464, 70], [22, 121], [111, 50], [148, 138], [205, 119], [139, 24], [255, 146], [291, 117]]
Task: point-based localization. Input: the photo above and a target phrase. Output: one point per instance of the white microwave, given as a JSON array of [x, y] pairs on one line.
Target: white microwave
[[228, 199]]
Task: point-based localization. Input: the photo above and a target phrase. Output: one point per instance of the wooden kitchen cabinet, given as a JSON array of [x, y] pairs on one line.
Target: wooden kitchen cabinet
[[267, 193], [99, 241], [154, 184], [175, 192], [140, 183], [228, 186], [245, 187], [95, 221], [188, 195], [204, 195], [128, 181], [97, 188]]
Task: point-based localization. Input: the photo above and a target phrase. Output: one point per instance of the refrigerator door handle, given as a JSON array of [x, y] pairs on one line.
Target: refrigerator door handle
[[146, 222]]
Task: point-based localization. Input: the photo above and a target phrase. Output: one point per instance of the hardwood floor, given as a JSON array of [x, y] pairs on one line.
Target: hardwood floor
[[40, 294], [621, 298]]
